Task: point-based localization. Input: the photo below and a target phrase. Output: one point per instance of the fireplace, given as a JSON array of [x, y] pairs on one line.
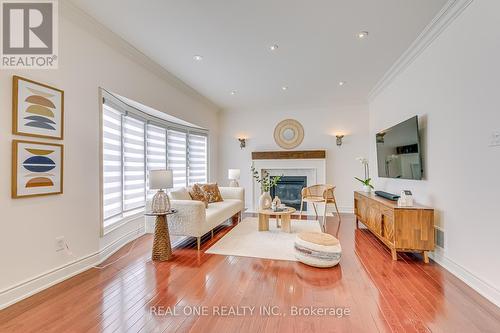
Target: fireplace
[[289, 164], [289, 190]]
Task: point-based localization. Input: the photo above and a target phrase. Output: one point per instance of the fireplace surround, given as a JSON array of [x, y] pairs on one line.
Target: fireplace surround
[[289, 190], [308, 164]]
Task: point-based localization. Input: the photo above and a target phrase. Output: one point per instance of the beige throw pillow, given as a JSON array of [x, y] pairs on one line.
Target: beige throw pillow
[[197, 193], [180, 194], [212, 192]]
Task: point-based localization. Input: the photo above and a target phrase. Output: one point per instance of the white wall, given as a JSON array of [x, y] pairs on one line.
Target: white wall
[[453, 86], [29, 226], [319, 124]]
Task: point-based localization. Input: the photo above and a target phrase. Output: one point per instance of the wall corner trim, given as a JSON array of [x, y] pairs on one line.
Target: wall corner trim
[[78, 16], [450, 11]]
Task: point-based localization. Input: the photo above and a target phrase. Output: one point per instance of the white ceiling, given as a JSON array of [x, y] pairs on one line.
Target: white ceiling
[[317, 42]]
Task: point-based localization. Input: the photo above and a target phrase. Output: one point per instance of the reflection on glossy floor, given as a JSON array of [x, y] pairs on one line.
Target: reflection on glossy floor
[[381, 295]]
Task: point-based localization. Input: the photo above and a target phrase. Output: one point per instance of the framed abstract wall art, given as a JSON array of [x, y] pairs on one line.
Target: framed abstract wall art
[[37, 109], [37, 168]]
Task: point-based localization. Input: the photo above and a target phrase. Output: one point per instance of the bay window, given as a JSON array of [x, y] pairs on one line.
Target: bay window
[[134, 143]]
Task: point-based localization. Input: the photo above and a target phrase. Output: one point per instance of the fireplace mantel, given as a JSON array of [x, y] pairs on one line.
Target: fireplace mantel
[[289, 155]]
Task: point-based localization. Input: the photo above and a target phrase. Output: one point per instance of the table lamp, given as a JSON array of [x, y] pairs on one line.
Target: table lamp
[[159, 180], [233, 175]]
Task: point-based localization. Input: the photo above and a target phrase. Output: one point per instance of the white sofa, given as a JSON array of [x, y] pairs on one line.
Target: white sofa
[[193, 219]]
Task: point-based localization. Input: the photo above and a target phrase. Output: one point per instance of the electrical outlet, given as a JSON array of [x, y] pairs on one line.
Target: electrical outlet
[[60, 244], [495, 139]]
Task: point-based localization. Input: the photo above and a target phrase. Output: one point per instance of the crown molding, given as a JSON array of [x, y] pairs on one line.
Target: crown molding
[[450, 11], [76, 15]]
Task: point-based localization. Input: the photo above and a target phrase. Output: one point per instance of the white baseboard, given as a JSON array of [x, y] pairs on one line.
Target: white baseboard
[[342, 210], [485, 289], [346, 209], [45, 280]]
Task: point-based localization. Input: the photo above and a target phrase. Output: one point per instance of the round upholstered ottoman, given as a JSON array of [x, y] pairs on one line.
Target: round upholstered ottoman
[[317, 249]]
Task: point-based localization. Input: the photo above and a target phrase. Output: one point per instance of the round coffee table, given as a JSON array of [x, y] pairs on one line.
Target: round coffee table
[[284, 215]]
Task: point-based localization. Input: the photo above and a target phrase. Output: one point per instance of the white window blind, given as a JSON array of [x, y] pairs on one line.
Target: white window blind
[[197, 158], [156, 150], [133, 164], [177, 156], [112, 162]]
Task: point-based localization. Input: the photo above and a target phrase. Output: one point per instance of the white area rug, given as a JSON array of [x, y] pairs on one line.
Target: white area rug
[[246, 240]]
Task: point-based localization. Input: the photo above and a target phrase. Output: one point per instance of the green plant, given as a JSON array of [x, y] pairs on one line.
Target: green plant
[[266, 182], [365, 182]]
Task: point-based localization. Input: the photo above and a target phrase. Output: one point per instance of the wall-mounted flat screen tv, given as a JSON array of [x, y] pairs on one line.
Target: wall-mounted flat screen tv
[[399, 151]]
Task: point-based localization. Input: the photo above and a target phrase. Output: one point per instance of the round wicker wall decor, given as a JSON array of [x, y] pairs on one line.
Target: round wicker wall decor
[[288, 134]]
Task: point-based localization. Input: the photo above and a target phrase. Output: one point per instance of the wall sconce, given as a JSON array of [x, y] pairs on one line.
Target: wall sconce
[[339, 139], [243, 142]]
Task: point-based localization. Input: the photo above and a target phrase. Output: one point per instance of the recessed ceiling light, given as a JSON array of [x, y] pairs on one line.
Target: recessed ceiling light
[[197, 57], [233, 92], [362, 34], [342, 83], [284, 88], [273, 47]]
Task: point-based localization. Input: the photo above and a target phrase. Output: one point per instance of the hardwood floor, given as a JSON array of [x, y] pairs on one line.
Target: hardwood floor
[[381, 295]]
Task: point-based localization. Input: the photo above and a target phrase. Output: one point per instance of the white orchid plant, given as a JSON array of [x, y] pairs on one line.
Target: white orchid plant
[[367, 180]]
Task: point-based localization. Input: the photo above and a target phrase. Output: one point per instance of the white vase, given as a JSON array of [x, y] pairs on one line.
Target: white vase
[[265, 200], [367, 189], [160, 203]]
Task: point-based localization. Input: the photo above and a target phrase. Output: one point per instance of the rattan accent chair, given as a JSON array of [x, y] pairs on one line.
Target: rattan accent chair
[[318, 194]]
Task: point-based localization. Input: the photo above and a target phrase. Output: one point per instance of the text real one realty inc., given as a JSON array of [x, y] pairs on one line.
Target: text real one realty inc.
[[236, 311]]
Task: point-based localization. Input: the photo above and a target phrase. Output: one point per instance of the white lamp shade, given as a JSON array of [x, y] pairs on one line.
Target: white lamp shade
[[233, 174], [161, 179]]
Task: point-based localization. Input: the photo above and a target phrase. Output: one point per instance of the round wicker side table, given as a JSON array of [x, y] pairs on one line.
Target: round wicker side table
[[162, 250]]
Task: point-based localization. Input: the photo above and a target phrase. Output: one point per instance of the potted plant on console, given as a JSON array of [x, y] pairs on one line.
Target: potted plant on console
[[367, 186], [266, 184]]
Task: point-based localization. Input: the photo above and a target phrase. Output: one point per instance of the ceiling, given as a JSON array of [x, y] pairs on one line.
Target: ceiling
[[317, 45]]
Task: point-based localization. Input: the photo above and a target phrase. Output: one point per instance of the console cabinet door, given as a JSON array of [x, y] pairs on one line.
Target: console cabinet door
[[361, 207], [375, 219], [415, 229], [388, 226]]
